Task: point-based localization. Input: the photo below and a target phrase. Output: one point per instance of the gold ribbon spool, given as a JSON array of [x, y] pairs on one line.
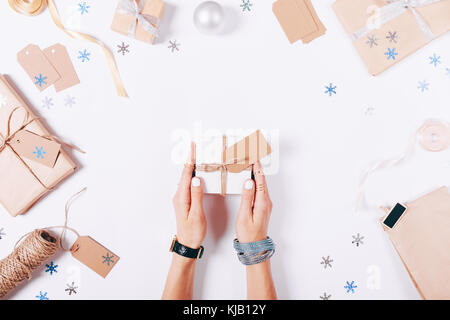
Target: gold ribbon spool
[[35, 7]]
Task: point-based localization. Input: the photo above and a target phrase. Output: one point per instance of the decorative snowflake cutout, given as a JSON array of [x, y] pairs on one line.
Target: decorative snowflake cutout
[[40, 80], [42, 296], [246, 4], [391, 53], [325, 296], [330, 90], [435, 60], [123, 48], [358, 239], [2, 101], [69, 101], [423, 85], [2, 233], [47, 102], [83, 7], [369, 111], [326, 262], [51, 268], [392, 36], [372, 41], [84, 55], [39, 152], [173, 46], [71, 288], [108, 259], [350, 287]]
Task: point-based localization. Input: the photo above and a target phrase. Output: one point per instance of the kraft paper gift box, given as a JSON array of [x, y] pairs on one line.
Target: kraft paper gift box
[[144, 28], [385, 32], [23, 181], [224, 162]]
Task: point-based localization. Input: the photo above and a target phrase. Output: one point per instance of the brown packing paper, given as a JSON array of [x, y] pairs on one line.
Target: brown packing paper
[[19, 187], [121, 22], [421, 238], [59, 58], [355, 14]]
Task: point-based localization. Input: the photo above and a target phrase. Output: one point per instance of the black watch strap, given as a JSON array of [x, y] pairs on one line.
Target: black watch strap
[[186, 251]]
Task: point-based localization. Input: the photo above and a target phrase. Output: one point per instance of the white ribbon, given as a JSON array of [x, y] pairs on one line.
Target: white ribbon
[[148, 22], [393, 10]]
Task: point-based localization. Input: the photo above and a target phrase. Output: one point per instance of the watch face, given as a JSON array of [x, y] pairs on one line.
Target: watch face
[[182, 250]]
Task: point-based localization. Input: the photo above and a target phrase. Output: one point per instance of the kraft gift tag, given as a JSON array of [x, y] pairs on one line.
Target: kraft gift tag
[[34, 147], [59, 58], [94, 255], [37, 66]]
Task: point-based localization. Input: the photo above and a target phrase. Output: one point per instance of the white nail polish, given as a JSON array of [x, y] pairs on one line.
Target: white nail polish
[[195, 182], [249, 184]]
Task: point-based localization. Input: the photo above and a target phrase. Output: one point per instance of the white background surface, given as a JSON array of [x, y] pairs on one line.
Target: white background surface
[[249, 77]]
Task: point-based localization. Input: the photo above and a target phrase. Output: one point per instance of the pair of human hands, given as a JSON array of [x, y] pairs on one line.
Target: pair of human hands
[[253, 217]]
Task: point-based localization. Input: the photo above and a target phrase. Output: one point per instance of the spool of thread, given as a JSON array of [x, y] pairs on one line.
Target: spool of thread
[[29, 255]]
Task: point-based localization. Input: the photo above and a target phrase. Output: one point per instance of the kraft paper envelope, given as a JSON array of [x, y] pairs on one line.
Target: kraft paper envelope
[[422, 239]]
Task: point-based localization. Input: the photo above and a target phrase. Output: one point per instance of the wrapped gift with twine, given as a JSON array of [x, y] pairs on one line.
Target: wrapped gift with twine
[[227, 174], [24, 179], [385, 32], [139, 19]]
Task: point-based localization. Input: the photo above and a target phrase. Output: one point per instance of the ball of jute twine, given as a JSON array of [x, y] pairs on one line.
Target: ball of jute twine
[[38, 246]]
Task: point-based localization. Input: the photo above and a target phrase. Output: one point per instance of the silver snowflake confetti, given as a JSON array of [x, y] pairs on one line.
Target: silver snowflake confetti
[[325, 296], [2, 101], [47, 102], [123, 48], [108, 259], [435, 60], [326, 262], [369, 111], [69, 101], [173, 46], [423, 85], [372, 41], [246, 5], [71, 288], [2, 233], [358, 239], [392, 36]]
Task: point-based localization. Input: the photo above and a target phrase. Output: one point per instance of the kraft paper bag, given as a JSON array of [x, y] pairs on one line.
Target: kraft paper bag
[[19, 184], [355, 15], [422, 239]]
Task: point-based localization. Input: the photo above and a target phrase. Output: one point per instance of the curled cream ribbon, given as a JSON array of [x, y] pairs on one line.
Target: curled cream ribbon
[[35, 7], [148, 22], [5, 140], [396, 8]]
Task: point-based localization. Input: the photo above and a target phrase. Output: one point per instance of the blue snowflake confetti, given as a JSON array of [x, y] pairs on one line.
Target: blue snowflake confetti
[[51, 268], [108, 259], [246, 4], [391, 53], [42, 296], [330, 89], [435, 60], [423, 85], [40, 80], [350, 287], [83, 7], [84, 55], [39, 152]]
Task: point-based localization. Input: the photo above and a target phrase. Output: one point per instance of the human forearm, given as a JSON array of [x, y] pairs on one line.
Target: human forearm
[[259, 282], [180, 281]]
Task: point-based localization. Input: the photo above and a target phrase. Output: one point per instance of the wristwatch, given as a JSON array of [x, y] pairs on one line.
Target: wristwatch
[[186, 251]]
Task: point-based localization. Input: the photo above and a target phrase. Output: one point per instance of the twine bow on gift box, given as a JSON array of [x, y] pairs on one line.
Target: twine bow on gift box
[[148, 22], [394, 9]]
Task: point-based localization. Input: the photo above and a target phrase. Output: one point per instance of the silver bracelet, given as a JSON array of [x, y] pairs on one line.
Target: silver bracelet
[[254, 252]]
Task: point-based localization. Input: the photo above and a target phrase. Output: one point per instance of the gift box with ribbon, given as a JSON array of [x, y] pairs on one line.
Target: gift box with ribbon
[[139, 19], [32, 161], [384, 32], [225, 161]]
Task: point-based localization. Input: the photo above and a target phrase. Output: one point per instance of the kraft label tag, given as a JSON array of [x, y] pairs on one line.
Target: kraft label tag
[[59, 58], [34, 147], [93, 255], [37, 66]]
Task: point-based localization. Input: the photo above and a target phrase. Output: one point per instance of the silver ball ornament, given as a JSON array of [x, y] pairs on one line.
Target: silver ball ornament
[[209, 17]]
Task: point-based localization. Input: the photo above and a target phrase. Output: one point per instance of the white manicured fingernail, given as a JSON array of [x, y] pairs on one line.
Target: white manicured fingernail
[[249, 184], [195, 182]]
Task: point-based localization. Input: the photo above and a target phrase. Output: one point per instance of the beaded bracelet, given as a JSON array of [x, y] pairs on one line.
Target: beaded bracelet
[[254, 252]]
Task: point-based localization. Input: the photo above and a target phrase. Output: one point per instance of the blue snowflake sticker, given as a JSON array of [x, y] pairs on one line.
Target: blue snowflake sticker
[[83, 7], [84, 55], [350, 287], [435, 60], [40, 80], [42, 296], [391, 53], [246, 4], [39, 152], [108, 259], [330, 89], [423, 85], [51, 268]]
